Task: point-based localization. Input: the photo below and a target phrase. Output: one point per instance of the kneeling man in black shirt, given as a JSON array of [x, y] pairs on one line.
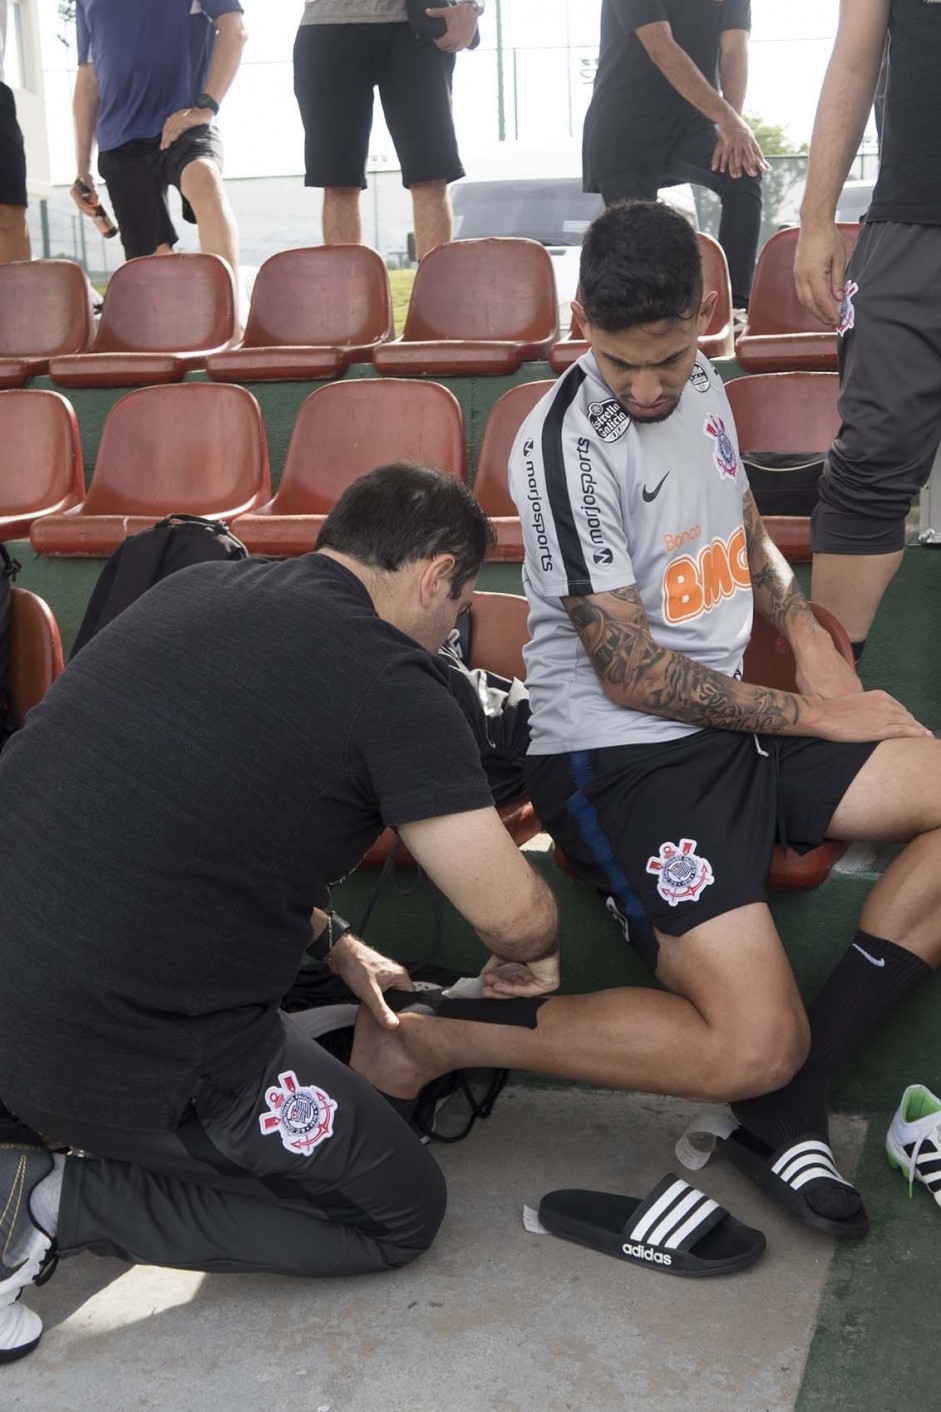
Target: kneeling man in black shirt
[[188, 789]]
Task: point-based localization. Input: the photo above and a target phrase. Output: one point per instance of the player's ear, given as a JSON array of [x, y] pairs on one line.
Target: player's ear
[[707, 308]]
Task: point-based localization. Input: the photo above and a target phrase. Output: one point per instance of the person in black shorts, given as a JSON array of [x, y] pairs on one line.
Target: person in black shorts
[[882, 304], [345, 49], [662, 775], [151, 77], [667, 108], [233, 741], [14, 235]]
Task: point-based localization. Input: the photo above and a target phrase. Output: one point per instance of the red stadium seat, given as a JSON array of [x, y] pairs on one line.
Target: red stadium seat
[[786, 412], [498, 633], [194, 448], [341, 432], [716, 342], [45, 309], [35, 652], [769, 661], [779, 334], [490, 483], [41, 468], [314, 312], [162, 316], [478, 308]]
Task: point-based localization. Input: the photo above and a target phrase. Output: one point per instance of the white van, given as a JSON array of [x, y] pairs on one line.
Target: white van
[[515, 190]]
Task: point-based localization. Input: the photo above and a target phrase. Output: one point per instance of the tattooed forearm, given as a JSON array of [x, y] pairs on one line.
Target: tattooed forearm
[[638, 673], [777, 594]]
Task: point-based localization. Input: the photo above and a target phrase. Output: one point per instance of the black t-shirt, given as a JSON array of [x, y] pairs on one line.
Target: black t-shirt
[[636, 114], [909, 184], [185, 793]]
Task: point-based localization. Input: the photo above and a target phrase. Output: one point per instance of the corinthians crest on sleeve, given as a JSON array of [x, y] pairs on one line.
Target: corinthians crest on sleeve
[[302, 1117], [609, 419], [723, 452], [681, 873]]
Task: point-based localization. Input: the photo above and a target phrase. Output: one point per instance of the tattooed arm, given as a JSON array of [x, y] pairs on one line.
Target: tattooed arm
[[821, 670], [636, 672]]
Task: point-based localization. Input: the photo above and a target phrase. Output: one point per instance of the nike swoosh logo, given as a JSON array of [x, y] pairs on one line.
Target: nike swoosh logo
[[652, 494], [880, 962]]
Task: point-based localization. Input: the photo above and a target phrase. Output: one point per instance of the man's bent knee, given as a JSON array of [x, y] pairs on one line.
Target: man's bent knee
[[201, 182], [762, 1064], [416, 1231]]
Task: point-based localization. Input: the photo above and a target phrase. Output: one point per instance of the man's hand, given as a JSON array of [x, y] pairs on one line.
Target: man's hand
[[502, 979], [737, 150], [461, 21], [368, 973], [86, 201], [178, 123], [867, 715], [819, 272]]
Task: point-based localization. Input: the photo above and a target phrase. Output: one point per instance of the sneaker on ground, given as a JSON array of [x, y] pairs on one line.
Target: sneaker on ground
[[913, 1142], [26, 1250], [739, 320]]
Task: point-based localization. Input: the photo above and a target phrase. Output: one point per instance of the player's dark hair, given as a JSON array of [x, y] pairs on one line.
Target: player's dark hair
[[404, 512], [640, 263]]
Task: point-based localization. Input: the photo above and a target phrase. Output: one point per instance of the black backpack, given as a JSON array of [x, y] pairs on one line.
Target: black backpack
[[9, 568], [148, 556]]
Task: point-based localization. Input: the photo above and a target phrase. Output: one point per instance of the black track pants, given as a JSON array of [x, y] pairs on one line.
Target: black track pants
[[890, 391], [307, 1171]]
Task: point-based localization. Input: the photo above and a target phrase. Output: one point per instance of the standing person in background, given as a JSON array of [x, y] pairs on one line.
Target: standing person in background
[[345, 49], [14, 236], [667, 108], [882, 307], [151, 77]]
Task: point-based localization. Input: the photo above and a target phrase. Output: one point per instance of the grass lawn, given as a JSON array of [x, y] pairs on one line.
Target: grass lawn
[[401, 282]]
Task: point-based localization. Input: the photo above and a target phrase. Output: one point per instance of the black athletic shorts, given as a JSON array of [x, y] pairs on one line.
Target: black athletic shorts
[[12, 152], [682, 832], [138, 176], [336, 69]]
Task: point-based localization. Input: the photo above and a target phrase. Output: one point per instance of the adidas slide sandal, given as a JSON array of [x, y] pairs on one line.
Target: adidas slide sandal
[[783, 1175], [913, 1142], [676, 1229]]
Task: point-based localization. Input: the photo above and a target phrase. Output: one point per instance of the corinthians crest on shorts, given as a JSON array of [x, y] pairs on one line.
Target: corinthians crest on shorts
[[302, 1117], [681, 873]]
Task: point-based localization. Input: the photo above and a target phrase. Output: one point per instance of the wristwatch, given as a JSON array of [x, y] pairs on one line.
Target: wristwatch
[[206, 100], [476, 6], [337, 927]]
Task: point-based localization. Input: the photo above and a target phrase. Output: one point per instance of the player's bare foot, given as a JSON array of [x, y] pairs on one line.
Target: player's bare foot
[[382, 1056]]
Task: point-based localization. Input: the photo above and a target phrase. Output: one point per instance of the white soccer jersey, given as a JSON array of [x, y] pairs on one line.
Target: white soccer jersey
[[606, 503]]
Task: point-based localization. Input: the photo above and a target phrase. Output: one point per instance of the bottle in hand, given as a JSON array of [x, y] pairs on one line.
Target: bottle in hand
[[81, 194]]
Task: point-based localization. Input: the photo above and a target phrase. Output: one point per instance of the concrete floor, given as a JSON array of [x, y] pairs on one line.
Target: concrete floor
[[492, 1320]]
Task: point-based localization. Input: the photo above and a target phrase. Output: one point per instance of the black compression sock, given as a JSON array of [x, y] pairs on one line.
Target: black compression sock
[[867, 980]]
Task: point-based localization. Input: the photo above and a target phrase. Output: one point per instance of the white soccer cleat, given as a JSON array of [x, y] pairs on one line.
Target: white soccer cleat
[[913, 1142]]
